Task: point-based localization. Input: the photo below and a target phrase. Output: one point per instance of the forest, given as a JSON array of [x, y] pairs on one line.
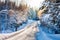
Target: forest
[[44, 20]]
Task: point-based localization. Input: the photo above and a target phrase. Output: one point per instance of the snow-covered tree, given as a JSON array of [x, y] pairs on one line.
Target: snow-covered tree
[[50, 18]]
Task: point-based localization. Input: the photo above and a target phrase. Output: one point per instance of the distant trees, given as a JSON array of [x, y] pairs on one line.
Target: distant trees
[[54, 1], [2, 4], [57, 1], [12, 5]]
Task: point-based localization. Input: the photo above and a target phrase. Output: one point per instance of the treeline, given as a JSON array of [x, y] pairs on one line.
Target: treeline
[[2, 4], [12, 5], [54, 1]]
